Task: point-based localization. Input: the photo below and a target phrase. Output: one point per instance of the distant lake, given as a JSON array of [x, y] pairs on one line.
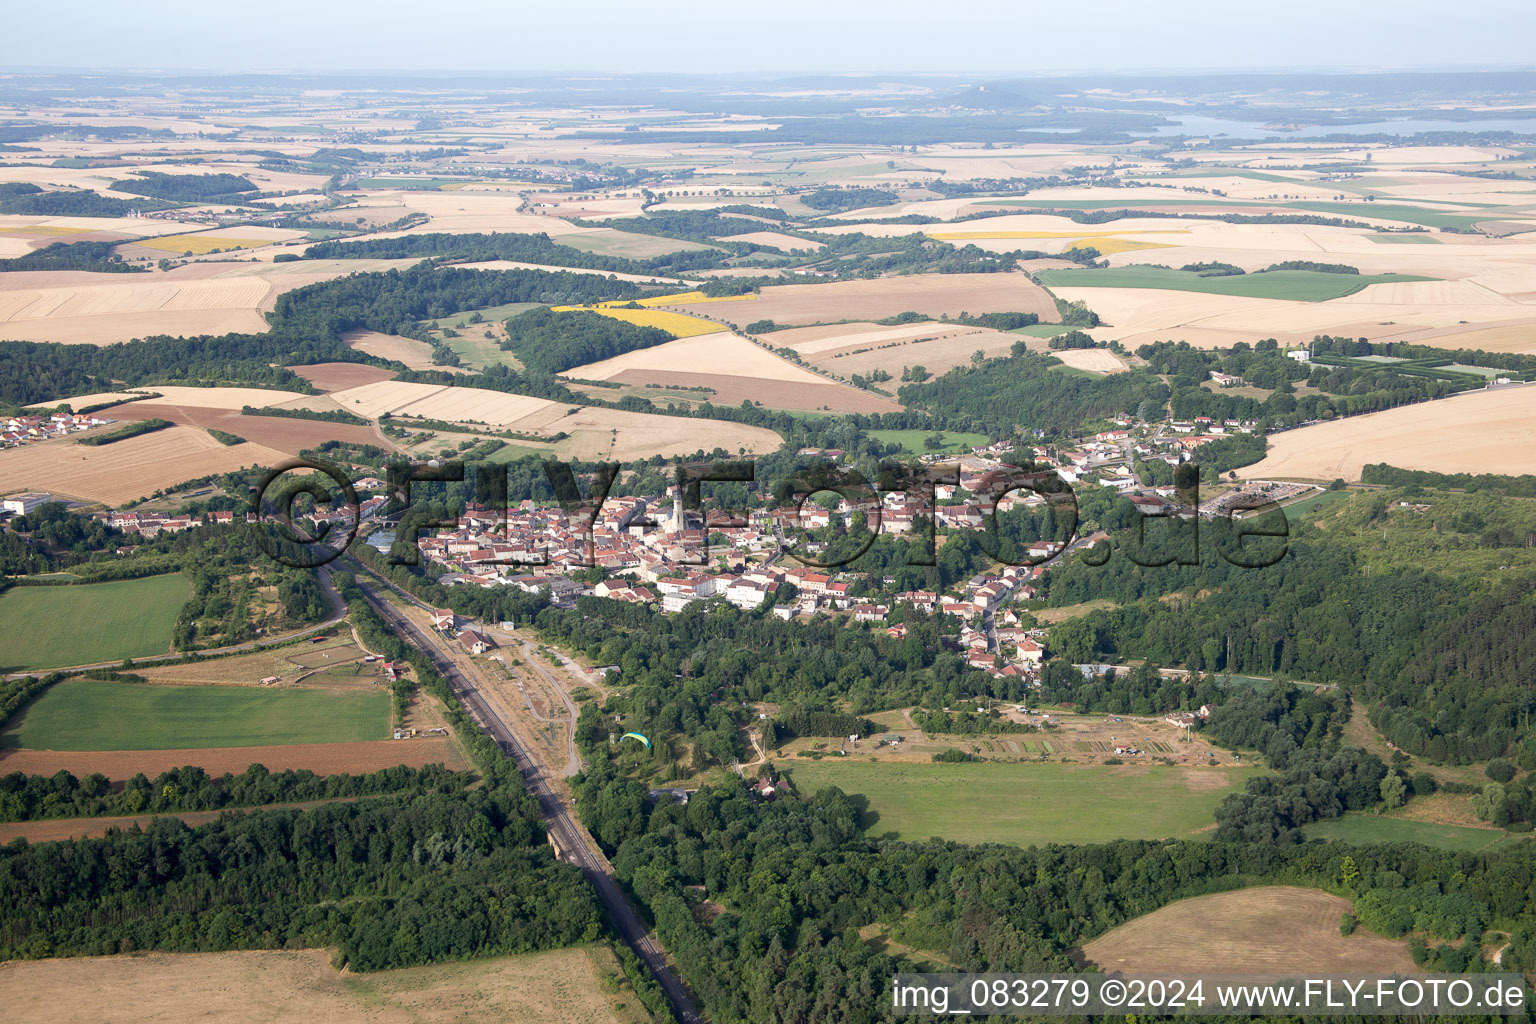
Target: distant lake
[[1196, 125]]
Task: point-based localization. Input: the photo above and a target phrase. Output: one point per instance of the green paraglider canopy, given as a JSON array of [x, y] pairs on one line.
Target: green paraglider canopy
[[635, 736]]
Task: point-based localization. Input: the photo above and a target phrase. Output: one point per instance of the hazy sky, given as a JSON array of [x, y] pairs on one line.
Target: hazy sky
[[1007, 36]]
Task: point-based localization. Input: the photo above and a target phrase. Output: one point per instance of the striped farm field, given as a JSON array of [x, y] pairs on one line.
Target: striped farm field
[[89, 714], [681, 297], [88, 623]]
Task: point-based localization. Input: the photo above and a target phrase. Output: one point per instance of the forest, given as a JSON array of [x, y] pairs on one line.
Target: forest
[[548, 342], [796, 880], [1029, 390], [95, 257], [389, 881], [76, 203], [187, 188], [34, 797], [1394, 603]]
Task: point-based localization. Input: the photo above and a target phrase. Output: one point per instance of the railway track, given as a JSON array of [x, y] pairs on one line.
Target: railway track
[[569, 834]]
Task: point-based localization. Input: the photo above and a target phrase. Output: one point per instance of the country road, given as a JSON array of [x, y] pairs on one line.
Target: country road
[[571, 836]]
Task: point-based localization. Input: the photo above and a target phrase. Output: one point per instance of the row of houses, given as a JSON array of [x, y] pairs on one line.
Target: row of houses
[[20, 430]]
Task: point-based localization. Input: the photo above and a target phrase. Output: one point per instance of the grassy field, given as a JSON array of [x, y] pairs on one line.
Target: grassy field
[[1372, 828], [1028, 803], [83, 624], [1414, 238], [84, 714], [1041, 330], [612, 242], [911, 441], [1297, 285], [1392, 211], [1310, 505], [478, 352]]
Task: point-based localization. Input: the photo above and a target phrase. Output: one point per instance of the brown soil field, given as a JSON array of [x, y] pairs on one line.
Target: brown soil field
[[929, 294], [1265, 929], [730, 389], [1477, 432], [285, 435], [134, 468], [568, 986], [320, 758], [340, 376]]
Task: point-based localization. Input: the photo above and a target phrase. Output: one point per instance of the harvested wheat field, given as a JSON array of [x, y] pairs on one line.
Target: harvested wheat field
[[1261, 930], [736, 370], [719, 353], [221, 398], [776, 240], [133, 468], [607, 433], [935, 354], [614, 434], [416, 355], [441, 402], [1094, 360], [1158, 314], [730, 389], [1518, 337], [816, 343], [320, 758], [141, 305], [340, 376], [1478, 432], [929, 294], [567, 986]]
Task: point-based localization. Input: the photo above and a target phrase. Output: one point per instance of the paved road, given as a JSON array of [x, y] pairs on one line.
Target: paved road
[[567, 831], [338, 614]]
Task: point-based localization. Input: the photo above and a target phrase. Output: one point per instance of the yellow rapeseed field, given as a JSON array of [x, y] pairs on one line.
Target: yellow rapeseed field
[[679, 325], [201, 245]]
